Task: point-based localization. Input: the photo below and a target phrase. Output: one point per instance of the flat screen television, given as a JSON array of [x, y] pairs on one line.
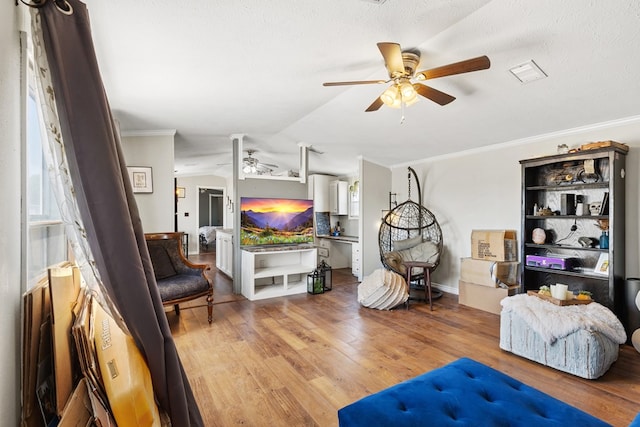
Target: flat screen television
[[275, 221]]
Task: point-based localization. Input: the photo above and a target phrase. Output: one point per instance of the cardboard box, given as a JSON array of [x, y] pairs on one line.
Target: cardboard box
[[483, 297], [494, 245], [489, 273]]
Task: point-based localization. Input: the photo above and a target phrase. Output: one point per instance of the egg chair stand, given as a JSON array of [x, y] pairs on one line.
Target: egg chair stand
[[410, 236]]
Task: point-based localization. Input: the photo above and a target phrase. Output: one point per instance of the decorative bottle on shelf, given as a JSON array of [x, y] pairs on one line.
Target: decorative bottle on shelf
[[604, 239], [579, 205], [535, 209]]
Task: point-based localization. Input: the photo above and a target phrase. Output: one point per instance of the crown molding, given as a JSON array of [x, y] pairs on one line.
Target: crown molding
[[528, 140], [157, 132]]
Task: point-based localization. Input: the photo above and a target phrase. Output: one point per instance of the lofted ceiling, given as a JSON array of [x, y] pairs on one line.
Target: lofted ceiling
[[209, 69]]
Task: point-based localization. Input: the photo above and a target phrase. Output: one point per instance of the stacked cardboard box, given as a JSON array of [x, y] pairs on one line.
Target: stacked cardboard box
[[491, 273]]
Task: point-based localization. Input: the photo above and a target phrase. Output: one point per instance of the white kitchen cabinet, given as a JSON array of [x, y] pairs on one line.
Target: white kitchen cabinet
[[355, 260], [319, 191], [224, 252], [324, 250], [338, 197]]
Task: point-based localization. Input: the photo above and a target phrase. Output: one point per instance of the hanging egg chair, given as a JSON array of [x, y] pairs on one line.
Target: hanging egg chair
[[409, 232]]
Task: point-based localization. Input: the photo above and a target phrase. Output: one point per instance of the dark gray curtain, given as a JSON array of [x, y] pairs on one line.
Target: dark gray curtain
[[107, 206]]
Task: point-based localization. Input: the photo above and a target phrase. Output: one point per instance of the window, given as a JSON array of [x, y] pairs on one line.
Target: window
[[46, 242]]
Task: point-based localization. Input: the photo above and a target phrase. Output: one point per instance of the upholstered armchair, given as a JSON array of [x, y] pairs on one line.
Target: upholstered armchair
[[179, 280]]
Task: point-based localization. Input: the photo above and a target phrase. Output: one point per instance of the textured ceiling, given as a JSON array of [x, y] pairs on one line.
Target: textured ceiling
[[210, 69]]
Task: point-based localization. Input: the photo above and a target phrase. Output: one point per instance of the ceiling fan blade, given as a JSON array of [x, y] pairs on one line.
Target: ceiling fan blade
[[474, 64], [357, 82], [392, 58], [433, 94], [375, 106]]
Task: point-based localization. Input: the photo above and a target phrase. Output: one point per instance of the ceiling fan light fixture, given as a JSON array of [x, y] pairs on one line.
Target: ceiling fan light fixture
[[411, 101], [397, 101], [390, 95], [249, 169], [409, 94]]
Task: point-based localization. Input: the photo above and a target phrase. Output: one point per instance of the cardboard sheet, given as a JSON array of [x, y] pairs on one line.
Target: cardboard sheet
[[83, 337], [64, 285], [78, 412], [125, 375], [36, 309]]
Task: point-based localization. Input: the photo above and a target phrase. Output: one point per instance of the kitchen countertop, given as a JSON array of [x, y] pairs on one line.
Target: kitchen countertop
[[341, 238]]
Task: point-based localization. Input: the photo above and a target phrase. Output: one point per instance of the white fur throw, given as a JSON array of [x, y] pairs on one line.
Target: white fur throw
[[553, 322], [383, 289]]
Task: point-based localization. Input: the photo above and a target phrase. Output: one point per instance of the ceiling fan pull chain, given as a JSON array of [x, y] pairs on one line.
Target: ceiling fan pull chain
[[402, 104]]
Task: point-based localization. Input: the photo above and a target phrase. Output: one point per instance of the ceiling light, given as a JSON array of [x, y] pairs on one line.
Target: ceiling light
[[397, 100], [528, 72], [389, 96], [408, 92], [249, 169], [411, 101], [399, 95]]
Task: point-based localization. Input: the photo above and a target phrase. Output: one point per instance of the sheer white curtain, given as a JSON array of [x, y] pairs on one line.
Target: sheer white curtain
[[58, 168]]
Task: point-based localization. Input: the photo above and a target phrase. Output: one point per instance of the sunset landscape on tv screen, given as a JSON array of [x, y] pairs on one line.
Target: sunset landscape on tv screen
[[272, 221]]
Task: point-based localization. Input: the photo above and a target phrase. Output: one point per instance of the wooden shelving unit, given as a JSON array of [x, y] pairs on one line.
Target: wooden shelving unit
[[544, 182], [275, 273]]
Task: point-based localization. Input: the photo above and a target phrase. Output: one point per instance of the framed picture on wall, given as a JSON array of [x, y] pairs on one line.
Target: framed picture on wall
[[602, 267], [141, 179]]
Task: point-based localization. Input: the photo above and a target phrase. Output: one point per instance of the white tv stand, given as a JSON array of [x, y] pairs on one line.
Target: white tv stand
[[275, 272]]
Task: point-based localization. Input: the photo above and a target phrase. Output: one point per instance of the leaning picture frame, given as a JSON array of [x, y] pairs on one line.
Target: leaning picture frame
[[141, 178], [602, 266]]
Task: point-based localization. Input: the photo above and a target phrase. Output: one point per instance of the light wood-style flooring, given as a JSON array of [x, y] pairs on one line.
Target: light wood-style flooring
[[295, 361]]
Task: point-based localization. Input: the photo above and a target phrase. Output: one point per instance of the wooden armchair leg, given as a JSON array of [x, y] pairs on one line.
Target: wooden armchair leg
[[176, 307], [210, 307]]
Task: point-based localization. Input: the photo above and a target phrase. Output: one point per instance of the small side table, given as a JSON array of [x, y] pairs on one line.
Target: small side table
[[426, 270]]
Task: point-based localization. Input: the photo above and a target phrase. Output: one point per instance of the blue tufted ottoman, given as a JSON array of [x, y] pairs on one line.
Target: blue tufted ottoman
[[463, 393]]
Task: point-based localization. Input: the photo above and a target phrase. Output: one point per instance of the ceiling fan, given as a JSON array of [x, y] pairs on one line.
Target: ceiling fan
[[251, 164], [401, 66]]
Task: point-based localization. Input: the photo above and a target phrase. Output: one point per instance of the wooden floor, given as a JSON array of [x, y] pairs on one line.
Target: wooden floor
[[295, 361]]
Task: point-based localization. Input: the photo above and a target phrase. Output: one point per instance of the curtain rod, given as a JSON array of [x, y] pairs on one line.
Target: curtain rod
[[62, 5]]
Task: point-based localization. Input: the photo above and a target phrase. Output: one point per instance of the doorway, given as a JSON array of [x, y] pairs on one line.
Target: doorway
[[210, 216]]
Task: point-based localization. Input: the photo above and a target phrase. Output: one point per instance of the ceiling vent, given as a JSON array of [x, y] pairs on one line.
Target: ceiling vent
[[528, 72]]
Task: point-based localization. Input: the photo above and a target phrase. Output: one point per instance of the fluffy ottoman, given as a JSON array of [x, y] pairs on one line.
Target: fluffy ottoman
[[582, 340], [463, 393]]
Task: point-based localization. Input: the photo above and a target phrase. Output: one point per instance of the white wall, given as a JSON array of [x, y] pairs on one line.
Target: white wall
[[154, 149], [480, 189], [375, 184], [189, 204], [10, 247]]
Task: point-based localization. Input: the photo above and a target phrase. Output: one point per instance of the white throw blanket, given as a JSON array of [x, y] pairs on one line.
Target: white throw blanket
[[553, 322]]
